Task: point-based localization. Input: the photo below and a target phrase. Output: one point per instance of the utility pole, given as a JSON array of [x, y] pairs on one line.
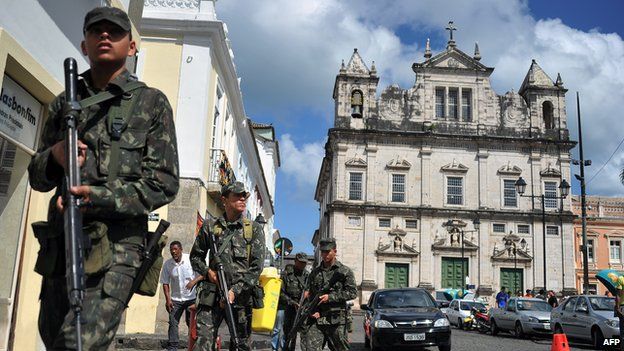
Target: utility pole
[[582, 162]]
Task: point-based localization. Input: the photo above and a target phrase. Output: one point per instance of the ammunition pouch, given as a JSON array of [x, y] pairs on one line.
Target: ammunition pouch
[[332, 317], [100, 258], [149, 285], [50, 259], [206, 294]]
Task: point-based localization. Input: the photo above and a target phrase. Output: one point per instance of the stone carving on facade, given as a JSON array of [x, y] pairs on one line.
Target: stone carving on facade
[[173, 4], [513, 110], [454, 167], [356, 162], [508, 169], [392, 103], [356, 65], [504, 249], [550, 171], [399, 163], [414, 98], [452, 240], [396, 241]]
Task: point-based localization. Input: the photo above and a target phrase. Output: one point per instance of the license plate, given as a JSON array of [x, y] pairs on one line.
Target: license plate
[[414, 337]]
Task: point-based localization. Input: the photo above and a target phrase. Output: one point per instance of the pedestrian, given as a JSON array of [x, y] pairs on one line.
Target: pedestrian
[[541, 295], [178, 280], [529, 293], [294, 280], [619, 307], [607, 293], [552, 299], [501, 298], [329, 321], [241, 250], [519, 293], [118, 188]]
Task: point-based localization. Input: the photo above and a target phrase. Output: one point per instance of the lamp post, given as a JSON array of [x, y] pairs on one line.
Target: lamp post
[[511, 247], [457, 226], [564, 188]]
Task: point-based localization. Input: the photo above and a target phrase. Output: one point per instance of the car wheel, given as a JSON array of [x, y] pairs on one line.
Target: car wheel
[[518, 330], [494, 328], [597, 338], [444, 347], [460, 324]]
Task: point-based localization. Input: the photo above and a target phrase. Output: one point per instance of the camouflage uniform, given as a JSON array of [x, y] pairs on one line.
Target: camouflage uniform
[[242, 273], [147, 179], [293, 285], [331, 325]]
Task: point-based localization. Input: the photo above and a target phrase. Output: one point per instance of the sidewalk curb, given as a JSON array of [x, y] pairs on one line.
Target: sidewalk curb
[[159, 342]]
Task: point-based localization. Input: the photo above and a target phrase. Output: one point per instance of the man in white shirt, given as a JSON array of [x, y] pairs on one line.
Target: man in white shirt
[[178, 280]]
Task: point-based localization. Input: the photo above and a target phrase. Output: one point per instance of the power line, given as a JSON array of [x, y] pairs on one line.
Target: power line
[[603, 166]]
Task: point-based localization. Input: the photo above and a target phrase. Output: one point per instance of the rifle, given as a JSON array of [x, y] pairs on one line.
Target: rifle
[[149, 255], [72, 217], [224, 290], [308, 309]]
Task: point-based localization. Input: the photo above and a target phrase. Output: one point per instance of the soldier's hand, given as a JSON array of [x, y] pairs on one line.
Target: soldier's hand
[[58, 153], [316, 315], [82, 191], [212, 276], [306, 294], [324, 298], [231, 296]]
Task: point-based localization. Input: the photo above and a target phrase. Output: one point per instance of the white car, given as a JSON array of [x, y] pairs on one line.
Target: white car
[[460, 309]]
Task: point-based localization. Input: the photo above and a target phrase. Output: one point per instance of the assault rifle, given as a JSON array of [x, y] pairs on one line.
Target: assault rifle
[[149, 256], [308, 308], [224, 290], [72, 217]]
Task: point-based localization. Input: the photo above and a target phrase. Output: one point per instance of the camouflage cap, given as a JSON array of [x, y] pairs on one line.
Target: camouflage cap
[[110, 14], [327, 244], [301, 257], [235, 187]]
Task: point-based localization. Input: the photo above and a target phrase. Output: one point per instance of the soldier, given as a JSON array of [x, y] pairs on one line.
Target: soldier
[[293, 285], [330, 320], [241, 250], [118, 194]]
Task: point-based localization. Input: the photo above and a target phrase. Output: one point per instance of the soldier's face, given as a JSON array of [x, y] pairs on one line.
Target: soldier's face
[[107, 43], [236, 202], [176, 252], [299, 265], [328, 256]]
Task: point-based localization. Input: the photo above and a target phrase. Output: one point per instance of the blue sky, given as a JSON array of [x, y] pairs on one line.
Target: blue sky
[[289, 52]]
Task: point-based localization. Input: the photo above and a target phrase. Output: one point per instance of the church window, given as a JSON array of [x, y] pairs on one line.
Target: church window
[[411, 224], [355, 221], [215, 120], [466, 105], [615, 251], [498, 227], [552, 230], [550, 194], [453, 103], [355, 186], [384, 222], [524, 229], [454, 191], [547, 112], [440, 103], [398, 188], [357, 102], [510, 197]]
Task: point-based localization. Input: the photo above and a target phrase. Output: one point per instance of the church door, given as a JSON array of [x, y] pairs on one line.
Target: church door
[[512, 279], [397, 275], [452, 276]]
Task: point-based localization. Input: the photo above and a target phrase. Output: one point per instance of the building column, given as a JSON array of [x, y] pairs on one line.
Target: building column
[[426, 262], [425, 174], [339, 172], [536, 240], [482, 157], [369, 260]]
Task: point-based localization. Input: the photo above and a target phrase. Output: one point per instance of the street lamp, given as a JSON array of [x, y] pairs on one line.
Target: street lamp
[[564, 188], [511, 247], [457, 226]]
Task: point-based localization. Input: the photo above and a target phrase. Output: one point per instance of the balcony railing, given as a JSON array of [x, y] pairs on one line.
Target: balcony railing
[[220, 170]]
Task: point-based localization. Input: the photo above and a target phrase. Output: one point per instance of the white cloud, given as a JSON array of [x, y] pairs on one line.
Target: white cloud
[[301, 164], [288, 53]]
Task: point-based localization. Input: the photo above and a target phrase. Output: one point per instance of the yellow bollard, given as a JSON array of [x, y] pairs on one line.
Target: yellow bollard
[[263, 319]]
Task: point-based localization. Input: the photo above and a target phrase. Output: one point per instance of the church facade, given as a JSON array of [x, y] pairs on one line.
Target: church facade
[[418, 185]]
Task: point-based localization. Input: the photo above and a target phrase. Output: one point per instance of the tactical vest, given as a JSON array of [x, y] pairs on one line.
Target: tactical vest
[[218, 229]]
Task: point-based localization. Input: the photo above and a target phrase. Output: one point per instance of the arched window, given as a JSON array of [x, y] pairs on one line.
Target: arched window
[[547, 113], [357, 102]]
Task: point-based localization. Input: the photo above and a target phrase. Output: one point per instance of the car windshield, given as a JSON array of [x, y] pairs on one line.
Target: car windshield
[[602, 303], [467, 305], [441, 296], [534, 306], [403, 299]]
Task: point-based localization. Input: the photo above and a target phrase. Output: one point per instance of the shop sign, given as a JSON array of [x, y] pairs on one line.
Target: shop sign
[[20, 113]]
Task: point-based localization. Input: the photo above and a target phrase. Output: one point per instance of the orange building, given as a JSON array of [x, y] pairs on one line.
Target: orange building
[[605, 238]]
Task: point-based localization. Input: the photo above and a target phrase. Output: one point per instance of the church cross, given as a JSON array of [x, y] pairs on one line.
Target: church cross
[[451, 28]]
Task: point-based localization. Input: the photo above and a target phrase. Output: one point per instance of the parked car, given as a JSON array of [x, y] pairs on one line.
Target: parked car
[[521, 316], [443, 299], [404, 318], [586, 317], [459, 310]]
